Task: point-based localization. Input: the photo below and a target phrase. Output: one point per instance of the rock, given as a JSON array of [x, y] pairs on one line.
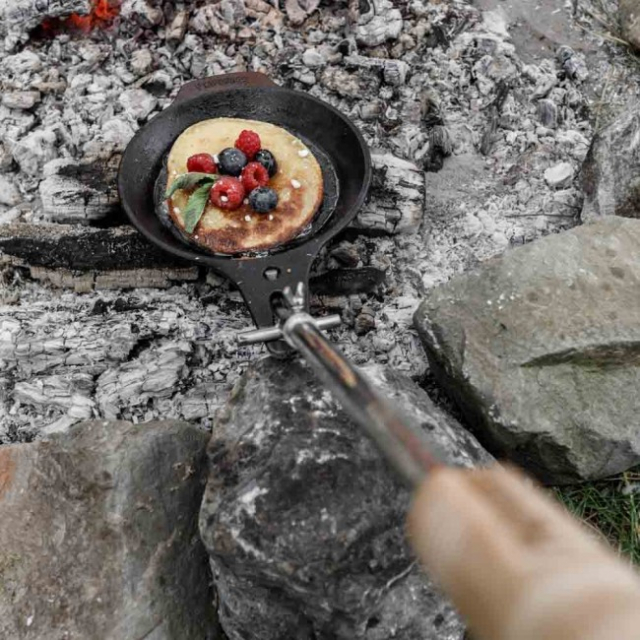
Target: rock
[[298, 10], [394, 72], [540, 349], [98, 535], [9, 194], [630, 21], [35, 150], [20, 99], [574, 64], [548, 113], [313, 59], [379, 23], [138, 103], [141, 61], [559, 176], [611, 171], [178, 26], [303, 519], [24, 62], [132, 9], [365, 322], [349, 85], [346, 254]]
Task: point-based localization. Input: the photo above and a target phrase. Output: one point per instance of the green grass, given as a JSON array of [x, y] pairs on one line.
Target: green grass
[[611, 507]]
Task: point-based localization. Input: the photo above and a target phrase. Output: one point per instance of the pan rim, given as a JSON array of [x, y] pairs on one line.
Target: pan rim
[[320, 238]]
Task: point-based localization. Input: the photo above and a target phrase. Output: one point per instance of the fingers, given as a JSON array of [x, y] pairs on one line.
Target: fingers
[[516, 566]]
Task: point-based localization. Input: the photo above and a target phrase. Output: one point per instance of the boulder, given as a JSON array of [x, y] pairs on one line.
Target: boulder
[[630, 21], [611, 170], [540, 349], [98, 535], [304, 520]]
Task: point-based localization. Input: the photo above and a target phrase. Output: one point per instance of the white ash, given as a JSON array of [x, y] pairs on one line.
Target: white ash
[[421, 80]]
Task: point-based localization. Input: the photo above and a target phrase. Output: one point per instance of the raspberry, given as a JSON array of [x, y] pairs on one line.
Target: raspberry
[[249, 143], [202, 163], [227, 193], [254, 175]]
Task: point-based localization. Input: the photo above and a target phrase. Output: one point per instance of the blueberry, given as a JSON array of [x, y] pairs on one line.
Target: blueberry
[[267, 160], [263, 199], [231, 161]]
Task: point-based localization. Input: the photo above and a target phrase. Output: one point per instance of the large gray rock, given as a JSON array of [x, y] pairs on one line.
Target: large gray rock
[[304, 521], [541, 350], [630, 21], [98, 535], [611, 170]]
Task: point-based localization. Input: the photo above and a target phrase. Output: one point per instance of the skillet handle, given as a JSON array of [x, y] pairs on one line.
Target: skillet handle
[[223, 82], [260, 281]]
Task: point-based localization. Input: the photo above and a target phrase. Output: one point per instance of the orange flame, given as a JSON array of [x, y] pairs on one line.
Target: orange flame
[[101, 12]]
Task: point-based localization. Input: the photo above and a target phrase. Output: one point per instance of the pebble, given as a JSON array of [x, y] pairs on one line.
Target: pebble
[[559, 176], [313, 59], [138, 103], [548, 113], [141, 61], [21, 99], [9, 194]]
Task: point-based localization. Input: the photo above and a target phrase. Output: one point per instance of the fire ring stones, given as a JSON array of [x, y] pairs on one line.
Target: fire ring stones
[[304, 520], [540, 348]]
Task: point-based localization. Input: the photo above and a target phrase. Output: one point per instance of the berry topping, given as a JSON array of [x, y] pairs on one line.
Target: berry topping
[[227, 193], [263, 199], [202, 163], [249, 143], [266, 159], [254, 175], [231, 161]]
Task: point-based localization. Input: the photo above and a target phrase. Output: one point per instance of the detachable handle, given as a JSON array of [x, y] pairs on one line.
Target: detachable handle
[[224, 82], [262, 282], [405, 448]]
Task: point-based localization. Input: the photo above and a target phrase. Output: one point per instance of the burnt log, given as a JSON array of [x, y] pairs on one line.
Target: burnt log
[[397, 197], [74, 247], [19, 17], [81, 194]]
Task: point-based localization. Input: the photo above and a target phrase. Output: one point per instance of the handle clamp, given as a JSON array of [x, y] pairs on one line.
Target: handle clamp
[[294, 312]]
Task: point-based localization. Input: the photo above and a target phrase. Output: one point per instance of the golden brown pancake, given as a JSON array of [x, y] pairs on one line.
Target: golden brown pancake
[[244, 229]]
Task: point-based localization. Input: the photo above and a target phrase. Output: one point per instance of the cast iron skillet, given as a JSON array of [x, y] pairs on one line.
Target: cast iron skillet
[[344, 156]]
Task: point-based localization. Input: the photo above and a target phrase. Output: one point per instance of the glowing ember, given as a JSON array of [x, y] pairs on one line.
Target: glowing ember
[[103, 11]]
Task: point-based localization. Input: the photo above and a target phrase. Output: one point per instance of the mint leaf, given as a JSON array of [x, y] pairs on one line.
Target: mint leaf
[[188, 180], [196, 206]]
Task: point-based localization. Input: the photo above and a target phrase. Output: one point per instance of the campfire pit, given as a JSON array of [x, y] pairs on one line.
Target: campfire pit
[[476, 148]]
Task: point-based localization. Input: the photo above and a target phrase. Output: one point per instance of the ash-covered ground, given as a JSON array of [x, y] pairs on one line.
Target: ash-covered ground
[[493, 107]]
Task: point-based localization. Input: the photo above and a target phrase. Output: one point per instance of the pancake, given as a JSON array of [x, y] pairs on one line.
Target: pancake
[[244, 229]]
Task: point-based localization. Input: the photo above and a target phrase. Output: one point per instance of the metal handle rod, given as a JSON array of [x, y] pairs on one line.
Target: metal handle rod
[[403, 446], [275, 333]]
